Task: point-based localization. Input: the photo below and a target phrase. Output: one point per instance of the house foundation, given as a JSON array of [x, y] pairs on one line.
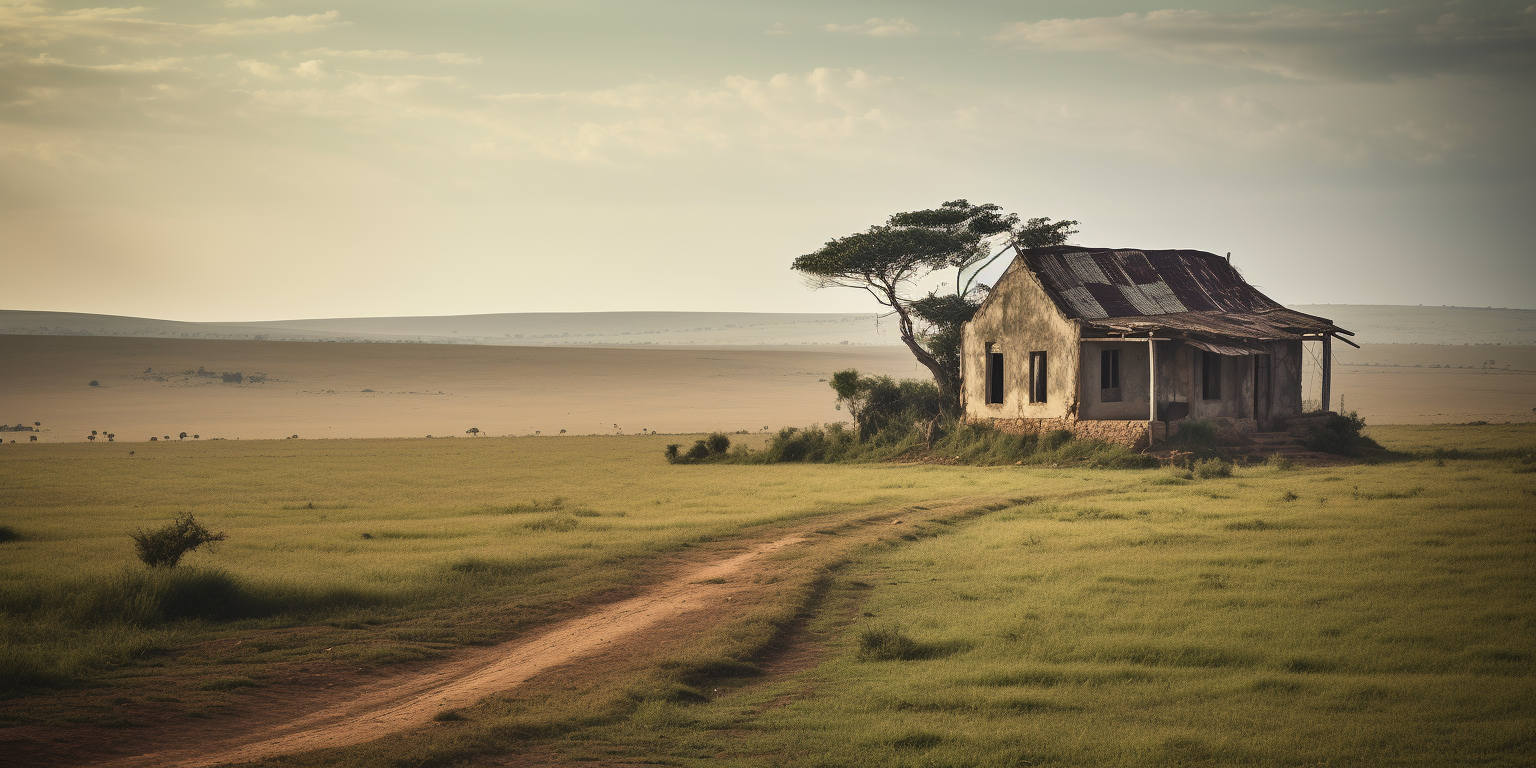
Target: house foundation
[[1133, 434]]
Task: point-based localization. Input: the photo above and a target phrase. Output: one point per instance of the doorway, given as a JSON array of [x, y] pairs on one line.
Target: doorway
[[1261, 388]]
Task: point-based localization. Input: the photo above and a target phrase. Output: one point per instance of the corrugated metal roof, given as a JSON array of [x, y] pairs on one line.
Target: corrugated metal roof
[[1193, 292]]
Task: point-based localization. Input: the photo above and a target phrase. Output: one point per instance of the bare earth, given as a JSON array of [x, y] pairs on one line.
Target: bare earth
[[150, 387], [320, 390], [412, 701]]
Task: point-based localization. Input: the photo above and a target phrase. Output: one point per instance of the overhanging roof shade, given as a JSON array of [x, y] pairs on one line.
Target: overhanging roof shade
[[1225, 349], [1188, 293]]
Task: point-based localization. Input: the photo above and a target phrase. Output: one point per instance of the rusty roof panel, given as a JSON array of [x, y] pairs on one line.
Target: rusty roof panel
[[1139, 269], [1111, 299], [1184, 291], [1272, 325]]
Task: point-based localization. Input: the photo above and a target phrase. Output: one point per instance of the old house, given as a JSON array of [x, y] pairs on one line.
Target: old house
[[1122, 345]]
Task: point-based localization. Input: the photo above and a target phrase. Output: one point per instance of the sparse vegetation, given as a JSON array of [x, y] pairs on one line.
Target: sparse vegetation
[[1196, 436], [715, 447], [1206, 469], [165, 547], [902, 421], [1341, 435], [1266, 632]]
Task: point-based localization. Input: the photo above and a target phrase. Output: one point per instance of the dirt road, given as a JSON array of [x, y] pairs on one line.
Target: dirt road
[[399, 704]]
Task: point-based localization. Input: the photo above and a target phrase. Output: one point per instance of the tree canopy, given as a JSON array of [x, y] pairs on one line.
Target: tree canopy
[[889, 260]]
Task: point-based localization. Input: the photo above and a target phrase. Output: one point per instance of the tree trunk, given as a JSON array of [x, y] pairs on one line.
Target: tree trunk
[[943, 378]]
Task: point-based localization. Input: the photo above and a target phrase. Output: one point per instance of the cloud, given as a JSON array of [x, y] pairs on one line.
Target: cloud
[[388, 55], [877, 28], [824, 112], [272, 25], [262, 70], [35, 25], [311, 70], [1304, 43]]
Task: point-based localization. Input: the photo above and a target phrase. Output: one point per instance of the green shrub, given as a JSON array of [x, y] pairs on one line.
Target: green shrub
[[1340, 435], [164, 547], [814, 444], [712, 448], [889, 644], [883, 408], [1207, 469], [1198, 435]]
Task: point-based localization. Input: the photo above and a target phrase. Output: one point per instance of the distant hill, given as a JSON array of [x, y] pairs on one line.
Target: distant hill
[[512, 329], [1372, 325], [1388, 324]]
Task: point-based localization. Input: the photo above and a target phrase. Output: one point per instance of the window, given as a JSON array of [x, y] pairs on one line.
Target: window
[[1109, 376], [994, 375], [1037, 377], [1109, 369], [1210, 375]]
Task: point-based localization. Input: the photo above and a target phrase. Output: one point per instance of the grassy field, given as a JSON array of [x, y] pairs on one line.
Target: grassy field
[[474, 537], [1359, 615], [1362, 615]]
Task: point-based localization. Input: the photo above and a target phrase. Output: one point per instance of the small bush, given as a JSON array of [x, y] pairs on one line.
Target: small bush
[[888, 645], [1195, 435], [1340, 435], [7, 533], [881, 405], [714, 447], [1207, 469], [164, 547], [891, 644]]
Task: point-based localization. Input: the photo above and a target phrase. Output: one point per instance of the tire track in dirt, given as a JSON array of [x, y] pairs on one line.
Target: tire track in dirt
[[397, 705]]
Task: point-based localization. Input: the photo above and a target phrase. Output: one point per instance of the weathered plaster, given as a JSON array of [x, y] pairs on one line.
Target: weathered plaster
[[1285, 387], [1236, 400], [1020, 318], [1134, 381]]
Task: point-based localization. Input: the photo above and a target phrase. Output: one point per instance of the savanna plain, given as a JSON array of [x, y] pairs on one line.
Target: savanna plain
[[1376, 612]]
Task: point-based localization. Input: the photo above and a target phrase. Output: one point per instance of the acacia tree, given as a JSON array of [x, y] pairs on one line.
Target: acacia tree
[[888, 261]]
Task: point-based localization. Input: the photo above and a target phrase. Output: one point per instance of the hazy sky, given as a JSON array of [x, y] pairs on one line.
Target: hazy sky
[[262, 159]]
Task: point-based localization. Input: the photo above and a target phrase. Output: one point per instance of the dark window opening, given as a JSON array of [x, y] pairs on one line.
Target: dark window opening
[[1109, 376], [1037, 377], [994, 375], [1210, 375], [1109, 369]]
